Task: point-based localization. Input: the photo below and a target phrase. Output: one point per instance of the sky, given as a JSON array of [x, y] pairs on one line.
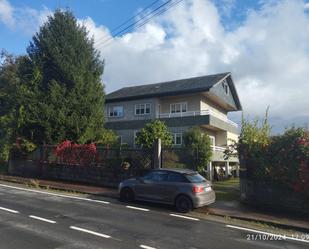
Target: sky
[[263, 43]]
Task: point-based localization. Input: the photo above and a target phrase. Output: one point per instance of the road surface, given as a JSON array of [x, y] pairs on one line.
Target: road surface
[[32, 219]]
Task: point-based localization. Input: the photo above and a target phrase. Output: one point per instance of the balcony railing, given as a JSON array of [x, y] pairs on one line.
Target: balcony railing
[[197, 113], [218, 148]]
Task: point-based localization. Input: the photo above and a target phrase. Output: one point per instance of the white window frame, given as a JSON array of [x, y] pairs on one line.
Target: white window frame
[[226, 88], [134, 139], [121, 140], [174, 138], [212, 141], [110, 110], [180, 107], [140, 108]]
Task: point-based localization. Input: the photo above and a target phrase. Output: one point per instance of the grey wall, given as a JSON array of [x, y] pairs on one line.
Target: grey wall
[[219, 91], [129, 110]]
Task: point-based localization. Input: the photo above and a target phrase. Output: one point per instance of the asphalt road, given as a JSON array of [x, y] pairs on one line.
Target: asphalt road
[[38, 220]]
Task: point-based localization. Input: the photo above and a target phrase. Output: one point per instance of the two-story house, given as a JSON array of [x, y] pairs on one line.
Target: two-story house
[[201, 101]]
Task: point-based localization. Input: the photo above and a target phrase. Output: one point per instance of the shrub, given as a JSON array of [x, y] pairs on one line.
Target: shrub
[[22, 147], [76, 154], [278, 160], [195, 140], [152, 131]]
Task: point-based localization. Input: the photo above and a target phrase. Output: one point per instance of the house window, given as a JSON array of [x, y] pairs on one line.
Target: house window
[[134, 139], [225, 87], [116, 111], [142, 109], [212, 141], [177, 138], [178, 107]]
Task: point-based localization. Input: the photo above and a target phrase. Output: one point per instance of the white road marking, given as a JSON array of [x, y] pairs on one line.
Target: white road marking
[[90, 232], [138, 208], [271, 234], [9, 210], [146, 247], [59, 195], [42, 219], [185, 217]]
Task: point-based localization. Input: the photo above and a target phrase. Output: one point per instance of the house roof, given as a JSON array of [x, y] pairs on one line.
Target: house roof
[[170, 88]]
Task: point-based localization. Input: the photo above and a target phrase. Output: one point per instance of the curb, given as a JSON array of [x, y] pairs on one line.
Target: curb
[[115, 196], [270, 223]]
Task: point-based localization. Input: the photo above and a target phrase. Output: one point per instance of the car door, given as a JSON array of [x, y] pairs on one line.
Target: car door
[[173, 186], [150, 186], [144, 186]]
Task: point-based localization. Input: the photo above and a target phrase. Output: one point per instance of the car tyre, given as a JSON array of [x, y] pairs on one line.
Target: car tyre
[[183, 204], [127, 195]]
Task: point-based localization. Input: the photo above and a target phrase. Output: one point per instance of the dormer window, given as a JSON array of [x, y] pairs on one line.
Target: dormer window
[[225, 87]]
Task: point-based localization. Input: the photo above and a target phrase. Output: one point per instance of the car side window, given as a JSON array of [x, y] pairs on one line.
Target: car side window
[[148, 176], [175, 177], [159, 176]]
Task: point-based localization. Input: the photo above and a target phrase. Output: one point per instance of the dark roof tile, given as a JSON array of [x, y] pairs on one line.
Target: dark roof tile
[[202, 83]]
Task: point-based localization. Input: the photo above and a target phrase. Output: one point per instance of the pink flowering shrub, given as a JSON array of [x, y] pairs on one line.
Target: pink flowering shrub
[[76, 154]]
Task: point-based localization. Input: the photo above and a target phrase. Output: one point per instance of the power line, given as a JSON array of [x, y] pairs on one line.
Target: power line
[[152, 13], [136, 15], [107, 41]]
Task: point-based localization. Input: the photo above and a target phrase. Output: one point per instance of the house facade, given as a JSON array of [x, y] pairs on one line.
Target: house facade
[[201, 101]]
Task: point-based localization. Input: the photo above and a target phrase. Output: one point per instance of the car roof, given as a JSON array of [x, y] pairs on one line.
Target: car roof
[[182, 171]]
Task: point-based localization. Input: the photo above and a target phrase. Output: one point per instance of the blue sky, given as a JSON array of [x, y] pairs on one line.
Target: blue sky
[[109, 13], [263, 43]]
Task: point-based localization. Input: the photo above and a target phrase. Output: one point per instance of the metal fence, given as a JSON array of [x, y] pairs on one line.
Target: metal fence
[[103, 157], [105, 167], [179, 158]]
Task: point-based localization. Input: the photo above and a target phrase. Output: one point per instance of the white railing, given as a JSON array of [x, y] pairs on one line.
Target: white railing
[[197, 113], [218, 148]]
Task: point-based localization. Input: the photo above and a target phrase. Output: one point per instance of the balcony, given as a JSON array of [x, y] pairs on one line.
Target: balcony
[[218, 148], [197, 113]]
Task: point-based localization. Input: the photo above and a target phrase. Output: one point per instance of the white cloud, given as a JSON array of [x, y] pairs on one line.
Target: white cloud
[[23, 19], [6, 13], [268, 54]]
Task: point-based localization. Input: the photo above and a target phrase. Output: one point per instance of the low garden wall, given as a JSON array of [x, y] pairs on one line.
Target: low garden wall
[[108, 177], [84, 164]]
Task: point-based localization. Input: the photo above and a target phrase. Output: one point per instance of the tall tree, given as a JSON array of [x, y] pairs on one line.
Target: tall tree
[[71, 94]]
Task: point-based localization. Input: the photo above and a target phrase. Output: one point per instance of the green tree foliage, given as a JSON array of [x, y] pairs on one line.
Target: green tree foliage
[[55, 92], [194, 139], [108, 138], [71, 95], [152, 131], [16, 98], [276, 160]]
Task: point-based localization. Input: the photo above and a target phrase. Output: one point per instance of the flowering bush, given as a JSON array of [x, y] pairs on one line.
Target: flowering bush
[[76, 154], [277, 160]]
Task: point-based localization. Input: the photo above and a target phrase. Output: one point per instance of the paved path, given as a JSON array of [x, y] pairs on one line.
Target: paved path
[[37, 220]]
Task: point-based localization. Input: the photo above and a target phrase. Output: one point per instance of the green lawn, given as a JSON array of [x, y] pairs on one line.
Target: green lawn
[[227, 190]]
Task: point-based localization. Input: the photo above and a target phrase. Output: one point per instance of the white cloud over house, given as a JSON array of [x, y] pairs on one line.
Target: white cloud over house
[[268, 54]]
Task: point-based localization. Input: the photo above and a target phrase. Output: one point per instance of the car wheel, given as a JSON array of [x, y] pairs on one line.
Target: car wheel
[[127, 195], [183, 204]]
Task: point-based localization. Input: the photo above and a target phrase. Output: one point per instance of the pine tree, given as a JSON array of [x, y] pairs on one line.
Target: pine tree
[[71, 95]]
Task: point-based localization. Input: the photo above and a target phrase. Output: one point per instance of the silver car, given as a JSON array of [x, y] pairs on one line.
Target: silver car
[[184, 188]]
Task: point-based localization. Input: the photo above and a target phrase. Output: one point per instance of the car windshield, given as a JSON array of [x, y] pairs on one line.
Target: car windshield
[[195, 178]]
